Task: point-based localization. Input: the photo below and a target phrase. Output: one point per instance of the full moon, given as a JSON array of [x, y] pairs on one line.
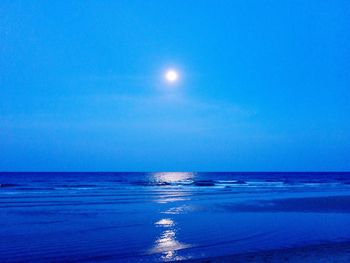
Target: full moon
[[171, 76]]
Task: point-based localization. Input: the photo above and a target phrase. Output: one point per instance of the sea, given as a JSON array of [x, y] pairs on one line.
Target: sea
[[167, 216]]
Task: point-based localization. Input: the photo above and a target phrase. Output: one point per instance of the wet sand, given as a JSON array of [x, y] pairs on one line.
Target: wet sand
[[322, 204], [328, 252]]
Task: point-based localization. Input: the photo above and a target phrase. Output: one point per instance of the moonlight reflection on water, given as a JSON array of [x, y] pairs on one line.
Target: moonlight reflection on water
[[167, 243], [173, 177]]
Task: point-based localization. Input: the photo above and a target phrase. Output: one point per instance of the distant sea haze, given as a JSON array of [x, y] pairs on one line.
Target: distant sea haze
[[166, 216]]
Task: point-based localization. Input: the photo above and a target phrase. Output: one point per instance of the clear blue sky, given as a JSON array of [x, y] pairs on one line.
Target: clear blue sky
[[264, 85]]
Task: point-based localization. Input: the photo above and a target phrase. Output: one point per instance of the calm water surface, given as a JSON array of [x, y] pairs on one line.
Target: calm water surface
[[146, 217]]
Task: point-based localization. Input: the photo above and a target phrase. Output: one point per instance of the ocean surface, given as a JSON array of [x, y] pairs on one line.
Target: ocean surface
[[166, 216]]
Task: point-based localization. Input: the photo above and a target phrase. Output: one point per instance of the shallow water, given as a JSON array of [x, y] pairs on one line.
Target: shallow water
[[129, 217]]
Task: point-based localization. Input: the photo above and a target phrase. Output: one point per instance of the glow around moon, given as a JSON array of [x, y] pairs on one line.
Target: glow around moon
[[171, 76]]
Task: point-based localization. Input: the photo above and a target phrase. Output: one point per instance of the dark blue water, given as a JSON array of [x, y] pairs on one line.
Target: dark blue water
[[128, 217]]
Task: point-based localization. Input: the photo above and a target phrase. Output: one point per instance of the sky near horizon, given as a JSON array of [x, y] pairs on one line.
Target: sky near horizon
[[263, 85]]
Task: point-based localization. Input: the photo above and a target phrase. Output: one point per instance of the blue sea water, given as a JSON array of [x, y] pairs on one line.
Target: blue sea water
[[165, 216]]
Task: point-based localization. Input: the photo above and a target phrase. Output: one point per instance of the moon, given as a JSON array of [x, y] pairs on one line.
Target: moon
[[171, 76]]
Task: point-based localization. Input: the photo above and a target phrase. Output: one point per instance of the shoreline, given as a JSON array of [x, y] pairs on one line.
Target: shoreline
[[326, 252]]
